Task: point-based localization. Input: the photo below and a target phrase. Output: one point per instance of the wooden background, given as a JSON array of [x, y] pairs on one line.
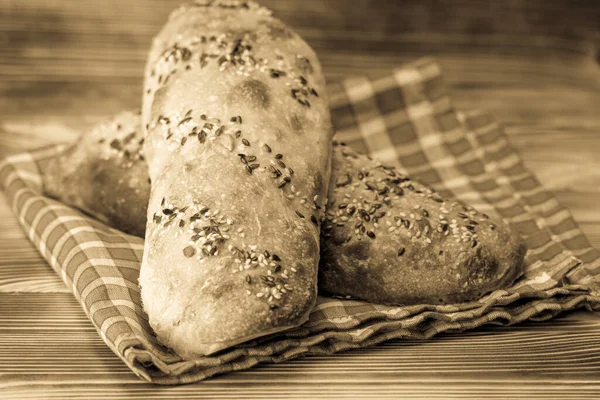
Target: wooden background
[[534, 64]]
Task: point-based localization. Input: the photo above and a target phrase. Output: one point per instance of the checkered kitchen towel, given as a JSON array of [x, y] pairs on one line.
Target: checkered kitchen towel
[[404, 119]]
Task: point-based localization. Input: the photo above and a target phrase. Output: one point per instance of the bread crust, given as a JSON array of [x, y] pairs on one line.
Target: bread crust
[[391, 240], [227, 257], [104, 174]]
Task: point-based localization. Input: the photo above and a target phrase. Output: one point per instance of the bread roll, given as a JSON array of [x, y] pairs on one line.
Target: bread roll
[[104, 174], [389, 239], [239, 149], [390, 248], [443, 271]]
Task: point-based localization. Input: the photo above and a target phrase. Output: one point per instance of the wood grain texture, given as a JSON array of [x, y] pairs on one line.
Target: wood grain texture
[[64, 356], [65, 65]]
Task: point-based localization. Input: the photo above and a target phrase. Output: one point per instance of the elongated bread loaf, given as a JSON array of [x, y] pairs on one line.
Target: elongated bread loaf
[[238, 145], [104, 174], [376, 250], [389, 239]]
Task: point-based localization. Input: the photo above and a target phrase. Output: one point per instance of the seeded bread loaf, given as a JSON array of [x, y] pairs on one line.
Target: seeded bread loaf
[[104, 174], [226, 258], [377, 250], [396, 265], [388, 239]]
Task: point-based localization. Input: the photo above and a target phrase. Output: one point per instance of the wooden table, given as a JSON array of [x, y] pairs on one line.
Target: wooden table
[[65, 65]]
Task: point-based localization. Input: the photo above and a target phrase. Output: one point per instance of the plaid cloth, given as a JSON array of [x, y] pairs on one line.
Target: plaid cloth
[[405, 119]]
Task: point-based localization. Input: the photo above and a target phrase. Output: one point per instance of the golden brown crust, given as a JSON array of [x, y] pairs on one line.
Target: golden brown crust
[[388, 239], [227, 256], [104, 174]]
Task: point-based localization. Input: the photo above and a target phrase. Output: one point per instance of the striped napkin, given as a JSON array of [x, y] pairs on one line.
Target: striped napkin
[[405, 119]]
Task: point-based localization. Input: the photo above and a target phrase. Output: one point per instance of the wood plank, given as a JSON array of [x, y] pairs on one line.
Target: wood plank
[[48, 349]]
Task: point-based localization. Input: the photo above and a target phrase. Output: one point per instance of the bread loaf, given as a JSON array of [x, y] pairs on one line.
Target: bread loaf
[[385, 238], [238, 147], [389, 239], [369, 252], [104, 173]]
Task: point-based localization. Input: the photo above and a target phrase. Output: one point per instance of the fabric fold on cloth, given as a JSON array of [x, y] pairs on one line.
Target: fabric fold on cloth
[[405, 119]]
